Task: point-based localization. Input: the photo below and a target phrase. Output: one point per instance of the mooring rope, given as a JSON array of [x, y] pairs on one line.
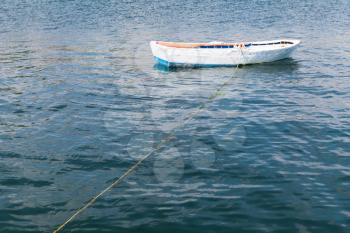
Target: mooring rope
[[133, 167]]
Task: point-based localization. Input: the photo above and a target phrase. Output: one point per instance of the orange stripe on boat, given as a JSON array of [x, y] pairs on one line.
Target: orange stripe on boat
[[192, 45]]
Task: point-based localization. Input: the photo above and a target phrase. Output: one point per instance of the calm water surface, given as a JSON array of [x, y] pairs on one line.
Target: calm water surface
[[80, 101]]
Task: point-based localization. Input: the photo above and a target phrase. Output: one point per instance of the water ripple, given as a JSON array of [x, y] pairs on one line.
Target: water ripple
[[81, 101]]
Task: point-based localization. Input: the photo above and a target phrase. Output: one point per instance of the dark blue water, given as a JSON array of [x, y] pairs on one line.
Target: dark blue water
[[80, 102]]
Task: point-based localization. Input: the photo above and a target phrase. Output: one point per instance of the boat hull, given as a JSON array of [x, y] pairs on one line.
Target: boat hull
[[222, 55]]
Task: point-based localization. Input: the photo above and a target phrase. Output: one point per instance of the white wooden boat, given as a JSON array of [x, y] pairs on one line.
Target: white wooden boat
[[221, 53]]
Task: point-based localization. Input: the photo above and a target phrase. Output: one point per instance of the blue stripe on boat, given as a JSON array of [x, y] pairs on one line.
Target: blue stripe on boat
[[176, 64]]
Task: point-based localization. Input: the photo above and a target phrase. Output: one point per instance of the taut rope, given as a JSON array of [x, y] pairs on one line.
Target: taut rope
[[133, 167]]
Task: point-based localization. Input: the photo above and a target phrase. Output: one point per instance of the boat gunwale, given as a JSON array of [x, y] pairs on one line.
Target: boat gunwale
[[226, 45]]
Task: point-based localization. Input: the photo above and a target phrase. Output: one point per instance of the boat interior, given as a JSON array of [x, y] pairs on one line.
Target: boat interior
[[219, 44]]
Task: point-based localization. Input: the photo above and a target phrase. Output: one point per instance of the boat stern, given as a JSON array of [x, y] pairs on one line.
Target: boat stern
[[159, 53]]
